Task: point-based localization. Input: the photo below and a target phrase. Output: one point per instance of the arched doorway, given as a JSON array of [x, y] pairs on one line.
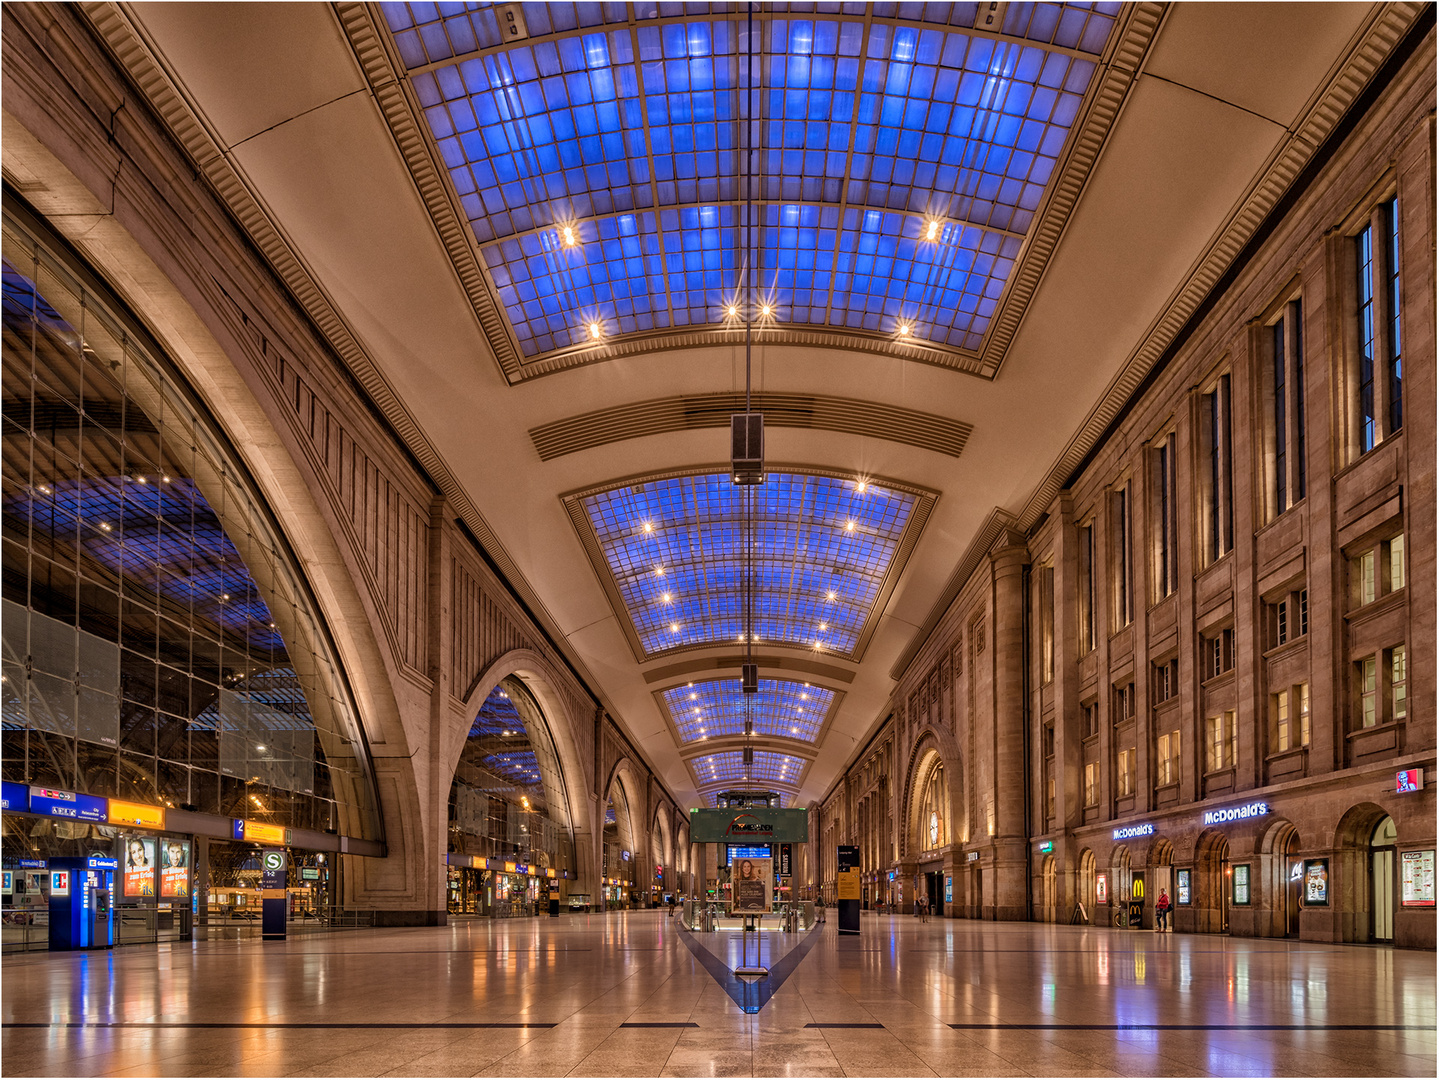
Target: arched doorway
[[934, 835], [1049, 890], [1161, 873], [1088, 871], [1381, 879], [1212, 883], [1285, 878], [617, 858]]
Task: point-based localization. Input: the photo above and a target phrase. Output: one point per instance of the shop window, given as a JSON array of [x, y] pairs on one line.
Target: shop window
[[1086, 588], [1164, 526], [1379, 408], [1375, 571], [1289, 717], [1221, 741], [1166, 679], [1217, 481], [1218, 653], [1119, 546], [1126, 764], [1168, 759], [1284, 398], [1091, 784]]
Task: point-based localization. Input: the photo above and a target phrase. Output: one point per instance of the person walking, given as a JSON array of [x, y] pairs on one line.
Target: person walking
[[1161, 912], [819, 909]]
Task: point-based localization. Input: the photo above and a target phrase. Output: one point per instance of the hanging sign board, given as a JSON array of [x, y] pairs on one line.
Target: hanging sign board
[[760, 825]]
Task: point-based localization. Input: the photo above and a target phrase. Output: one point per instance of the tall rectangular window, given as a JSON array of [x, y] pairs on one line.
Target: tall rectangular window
[[1379, 411], [1165, 530], [1286, 407], [1368, 703], [1219, 474], [1301, 694], [1398, 682], [1376, 570], [1091, 784], [1168, 758], [1086, 588], [1126, 762], [1221, 742], [1279, 711], [1123, 603], [1396, 562], [1166, 679], [1046, 623], [1218, 653]]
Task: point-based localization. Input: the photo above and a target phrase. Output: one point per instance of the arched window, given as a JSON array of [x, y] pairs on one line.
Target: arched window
[[933, 811]]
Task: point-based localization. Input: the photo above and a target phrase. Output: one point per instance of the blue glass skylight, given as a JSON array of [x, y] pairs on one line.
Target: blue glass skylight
[[714, 708], [676, 551], [727, 767], [597, 161]]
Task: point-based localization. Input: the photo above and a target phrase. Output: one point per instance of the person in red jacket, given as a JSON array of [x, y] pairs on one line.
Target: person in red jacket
[[1161, 912]]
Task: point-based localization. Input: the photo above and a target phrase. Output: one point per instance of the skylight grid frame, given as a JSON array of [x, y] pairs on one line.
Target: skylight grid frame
[[726, 768], [609, 521], [1088, 41], [779, 707]]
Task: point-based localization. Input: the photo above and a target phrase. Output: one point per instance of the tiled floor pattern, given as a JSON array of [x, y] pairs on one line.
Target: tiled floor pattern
[[1032, 999]]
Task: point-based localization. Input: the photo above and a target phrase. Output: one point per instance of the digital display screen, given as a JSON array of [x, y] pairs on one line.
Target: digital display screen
[[760, 851], [67, 804]]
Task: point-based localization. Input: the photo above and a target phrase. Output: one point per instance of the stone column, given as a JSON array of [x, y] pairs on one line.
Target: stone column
[[1010, 839]]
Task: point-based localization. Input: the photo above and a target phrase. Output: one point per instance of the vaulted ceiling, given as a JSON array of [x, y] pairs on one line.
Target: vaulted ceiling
[[958, 236]]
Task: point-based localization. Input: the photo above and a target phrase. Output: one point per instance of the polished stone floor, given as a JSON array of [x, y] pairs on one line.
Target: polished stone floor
[[633, 995]]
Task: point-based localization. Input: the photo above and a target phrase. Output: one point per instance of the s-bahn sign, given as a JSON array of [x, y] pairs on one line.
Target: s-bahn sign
[[761, 825]]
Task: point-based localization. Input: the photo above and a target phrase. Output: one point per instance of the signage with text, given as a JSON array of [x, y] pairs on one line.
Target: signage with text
[[1131, 831], [1416, 878], [760, 825], [848, 885], [1241, 885], [139, 866], [14, 796], [128, 813], [1236, 813], [1316, 883], [257, 832], [1046, 847], [66, 804], [1181, 887], [174, 867]]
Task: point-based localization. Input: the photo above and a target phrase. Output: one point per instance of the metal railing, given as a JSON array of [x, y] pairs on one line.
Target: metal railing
[[24, 929]]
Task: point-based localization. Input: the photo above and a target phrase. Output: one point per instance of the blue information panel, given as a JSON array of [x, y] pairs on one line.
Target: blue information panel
[[738, 852], [14, 796], [67, 804]]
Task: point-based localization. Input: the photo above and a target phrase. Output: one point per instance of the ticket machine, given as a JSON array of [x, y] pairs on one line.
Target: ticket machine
[[82, 912]]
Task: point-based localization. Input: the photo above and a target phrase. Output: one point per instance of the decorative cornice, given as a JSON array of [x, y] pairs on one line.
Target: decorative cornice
[[692, 412]]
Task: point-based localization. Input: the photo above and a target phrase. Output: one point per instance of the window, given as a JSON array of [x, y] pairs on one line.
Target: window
[[1049, 797], [1091, 784], [1123, 604], [1125, 771], [1169, 759], [1286, 619], [1368, 714], [1165, 528], [1380, 344], [1166, 679], [1218, 653], [1398, 679], [1218, 505], [1089, 720], [1045, 587], [1285, 400], [1289, 717], [1086, 588], [1376, 570], [1123, 703], [1221, 742]]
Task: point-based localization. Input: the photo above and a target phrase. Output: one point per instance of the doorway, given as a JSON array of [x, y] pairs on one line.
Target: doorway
[[1293, 884], [1381, 878]]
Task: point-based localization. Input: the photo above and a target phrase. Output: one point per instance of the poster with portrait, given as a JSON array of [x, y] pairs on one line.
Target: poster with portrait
[[174, 867], [139, 865], [751, 885], [1316, 882]]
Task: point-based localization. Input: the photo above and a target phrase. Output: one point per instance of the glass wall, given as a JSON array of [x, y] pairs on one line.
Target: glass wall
[[508, 797], [159, 642]]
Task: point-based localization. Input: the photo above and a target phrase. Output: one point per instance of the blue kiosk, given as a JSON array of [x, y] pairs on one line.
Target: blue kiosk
[[82, 914]]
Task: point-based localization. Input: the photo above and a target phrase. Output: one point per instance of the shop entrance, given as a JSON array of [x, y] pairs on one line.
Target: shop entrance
[[1381, 878], [1214, 884], [1293, 884], [934, 891]]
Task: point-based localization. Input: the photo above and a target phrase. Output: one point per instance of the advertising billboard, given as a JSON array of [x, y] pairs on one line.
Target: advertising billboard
[[139, 866], [1416, 878], [1316, 883], [175, 867], [752, 885]]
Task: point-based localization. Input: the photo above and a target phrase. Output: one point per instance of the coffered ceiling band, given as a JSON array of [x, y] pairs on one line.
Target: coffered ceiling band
[[389, 81], [693, 412]]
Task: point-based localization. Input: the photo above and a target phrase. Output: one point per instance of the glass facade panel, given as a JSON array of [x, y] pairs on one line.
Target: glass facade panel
[[782, 707]]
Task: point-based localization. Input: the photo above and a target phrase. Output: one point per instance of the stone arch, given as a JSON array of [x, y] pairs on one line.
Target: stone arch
[[933, 747], [542, 681], [1350, 872], [1088, 867], [629, 815], [666, 853]]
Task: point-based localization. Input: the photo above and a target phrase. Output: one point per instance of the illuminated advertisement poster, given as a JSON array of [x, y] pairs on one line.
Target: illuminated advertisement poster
[[751, 878], [9, 883], [1181, 886], [59, 882], [948, 889], [174, 868], [139, 866], [1316, 882], [1101, 889], [1241, 884], [1416, 878]]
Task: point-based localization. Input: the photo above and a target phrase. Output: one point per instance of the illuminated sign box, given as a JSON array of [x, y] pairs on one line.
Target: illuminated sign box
[[128, 813], [59, 882], [1409, 780], [257, 832], [1131, 831], [67, 804], [1236, 813], [1046, 847], [14, 796]]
